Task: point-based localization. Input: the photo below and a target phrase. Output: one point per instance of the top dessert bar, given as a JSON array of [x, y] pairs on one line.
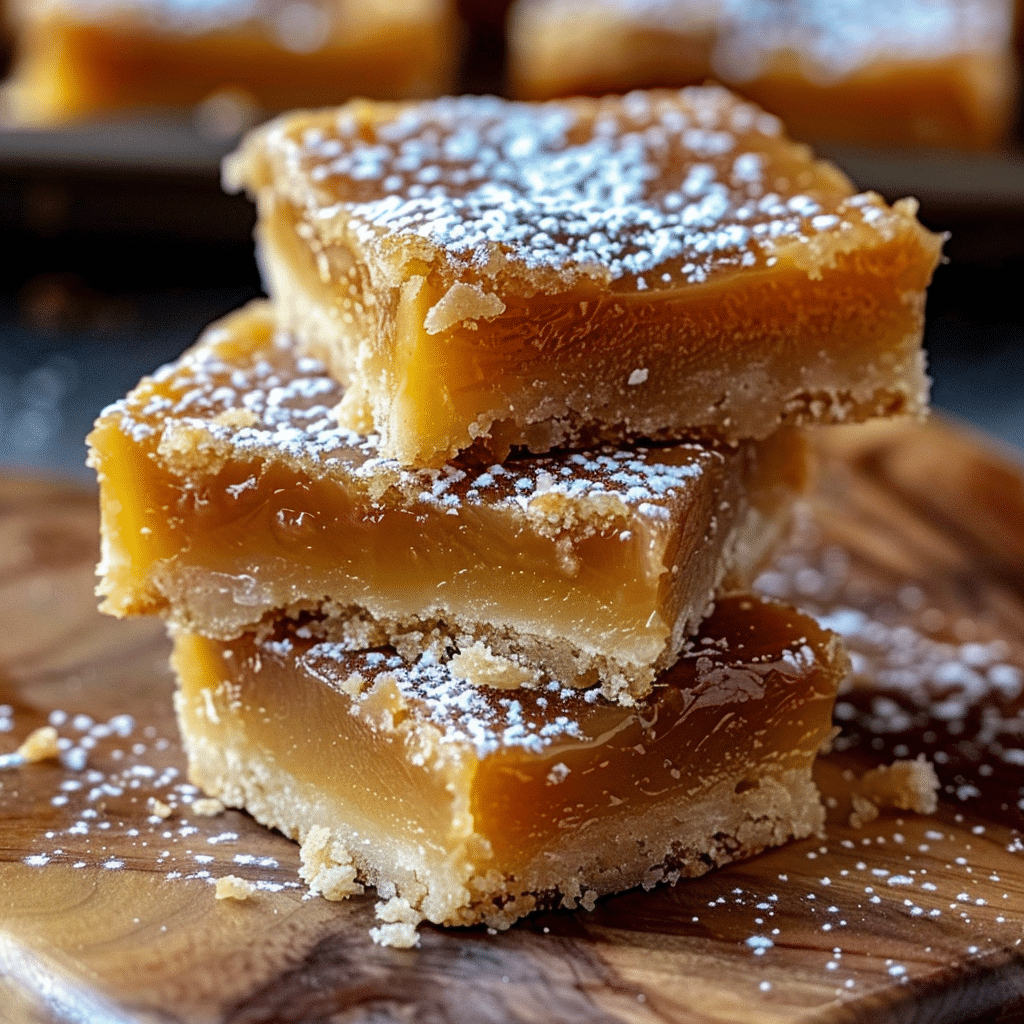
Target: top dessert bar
[[80, 57], [878, 72], [495, 274]]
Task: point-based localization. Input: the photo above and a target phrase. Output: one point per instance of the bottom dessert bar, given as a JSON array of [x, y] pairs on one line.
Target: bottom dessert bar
[[466, 805]]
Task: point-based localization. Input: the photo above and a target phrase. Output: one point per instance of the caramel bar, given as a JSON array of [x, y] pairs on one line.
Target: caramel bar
[[81, 57], [873, 72], [497, 275], [463, 805], [229, 493]]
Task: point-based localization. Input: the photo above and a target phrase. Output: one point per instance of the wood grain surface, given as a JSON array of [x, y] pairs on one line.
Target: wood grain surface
[[912, 546]]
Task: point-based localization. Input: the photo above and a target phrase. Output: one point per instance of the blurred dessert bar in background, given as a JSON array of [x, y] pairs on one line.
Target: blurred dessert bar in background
[[490, 275], [566, 47], [80, 57], [876, 72]]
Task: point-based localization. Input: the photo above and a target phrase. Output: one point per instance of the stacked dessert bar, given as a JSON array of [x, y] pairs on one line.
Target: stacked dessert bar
[[454, 534]]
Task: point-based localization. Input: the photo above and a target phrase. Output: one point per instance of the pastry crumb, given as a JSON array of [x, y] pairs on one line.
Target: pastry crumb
[[479, 665], [326, 866], [39, 745], [236, 419], [902, 785], [207, 807], [864, 811], [231, 887], [158, 807], [398, 935], [399, 923]]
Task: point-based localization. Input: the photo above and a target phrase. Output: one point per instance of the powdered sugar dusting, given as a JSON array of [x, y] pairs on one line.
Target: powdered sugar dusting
[[926, 681], [99, 815], [715, 671], [464, 713], [650, 189]]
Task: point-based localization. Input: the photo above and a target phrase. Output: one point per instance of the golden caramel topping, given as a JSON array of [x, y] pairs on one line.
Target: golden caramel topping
[[743, 646]]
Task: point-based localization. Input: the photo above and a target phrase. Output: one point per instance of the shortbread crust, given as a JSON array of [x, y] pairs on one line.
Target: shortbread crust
[[492, 274], [463, 805], [229, 494]]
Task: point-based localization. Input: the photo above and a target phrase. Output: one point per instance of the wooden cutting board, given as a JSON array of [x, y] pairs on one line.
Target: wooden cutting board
[[912, 545]]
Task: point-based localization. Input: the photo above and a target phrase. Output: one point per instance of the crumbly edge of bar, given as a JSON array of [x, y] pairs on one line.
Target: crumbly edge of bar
[[484, 654], [617, 854], [579, 428]]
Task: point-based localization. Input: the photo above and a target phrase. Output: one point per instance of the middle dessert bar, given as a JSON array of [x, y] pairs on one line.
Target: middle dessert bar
[[505, 275], [229, 494]]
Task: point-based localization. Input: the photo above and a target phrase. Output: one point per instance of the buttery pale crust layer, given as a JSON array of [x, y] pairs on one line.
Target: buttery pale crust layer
[[82, 57], [461, 805], [229, 496], [489, 274]]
